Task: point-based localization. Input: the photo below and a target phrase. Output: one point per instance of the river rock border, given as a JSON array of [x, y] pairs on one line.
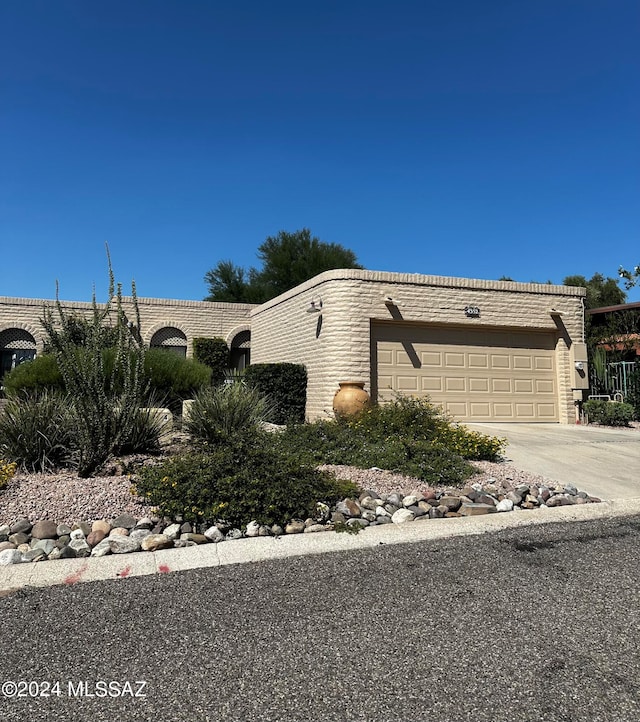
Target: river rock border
[[45, 540]]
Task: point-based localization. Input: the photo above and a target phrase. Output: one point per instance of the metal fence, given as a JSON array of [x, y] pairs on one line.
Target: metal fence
[[620, 379]]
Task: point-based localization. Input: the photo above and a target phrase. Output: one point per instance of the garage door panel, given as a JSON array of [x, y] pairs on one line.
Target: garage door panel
[[403, 359], [547, 411], [475, 375], [522, 362], [458, 409], [452, 360], [526, 411], [543, 363], [407, 383], [454, 385], [430, 358], [432, 384], [501, 361], [480, 410], [501, 386], [477, 360], [479, 386]]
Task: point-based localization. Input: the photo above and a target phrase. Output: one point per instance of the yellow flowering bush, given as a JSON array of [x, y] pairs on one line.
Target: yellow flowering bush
[[7, 470]]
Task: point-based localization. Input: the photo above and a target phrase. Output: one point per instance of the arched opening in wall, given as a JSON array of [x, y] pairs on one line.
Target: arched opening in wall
[[16, 347], [171, 339], [240, 351]]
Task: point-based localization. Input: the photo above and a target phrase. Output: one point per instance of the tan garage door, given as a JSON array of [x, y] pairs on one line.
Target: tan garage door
[[476, 375]]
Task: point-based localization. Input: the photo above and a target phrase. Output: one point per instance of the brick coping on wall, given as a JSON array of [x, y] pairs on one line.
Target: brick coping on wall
[[416, 279], [127, 299]]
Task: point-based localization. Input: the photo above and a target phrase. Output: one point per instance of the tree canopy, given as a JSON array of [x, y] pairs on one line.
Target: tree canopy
[[288, 259], [601, 291], [631, 278]]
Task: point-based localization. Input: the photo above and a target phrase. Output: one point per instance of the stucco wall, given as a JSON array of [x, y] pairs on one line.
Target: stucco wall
[[194, 318], [335, 344]]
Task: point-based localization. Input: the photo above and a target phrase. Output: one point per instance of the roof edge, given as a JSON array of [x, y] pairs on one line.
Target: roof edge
[[417, 279]]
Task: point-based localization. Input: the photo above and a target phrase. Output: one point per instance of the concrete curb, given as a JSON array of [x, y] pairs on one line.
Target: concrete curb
[[242, 551]]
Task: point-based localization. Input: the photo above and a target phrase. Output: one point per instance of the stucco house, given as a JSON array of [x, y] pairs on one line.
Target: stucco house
[[484, 350]]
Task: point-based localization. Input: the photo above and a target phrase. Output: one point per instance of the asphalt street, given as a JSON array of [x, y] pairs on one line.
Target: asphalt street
[[528, 624]]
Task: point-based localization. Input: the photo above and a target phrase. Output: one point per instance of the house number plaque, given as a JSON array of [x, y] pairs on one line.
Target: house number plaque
[[473, 311]]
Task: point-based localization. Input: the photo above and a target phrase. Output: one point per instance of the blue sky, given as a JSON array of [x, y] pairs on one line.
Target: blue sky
[[449, 137]]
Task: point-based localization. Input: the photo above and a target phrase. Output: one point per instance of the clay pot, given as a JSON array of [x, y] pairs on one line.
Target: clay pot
[[350, 399]]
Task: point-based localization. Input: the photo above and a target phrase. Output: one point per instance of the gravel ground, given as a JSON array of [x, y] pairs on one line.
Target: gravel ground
[[65, 498]]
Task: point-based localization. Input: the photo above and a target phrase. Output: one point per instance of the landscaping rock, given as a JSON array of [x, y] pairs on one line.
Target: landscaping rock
[[120, 544], [559, 500], [45, 545], [80, 547], [119, 531], [472, 509], [34, 555], [102, 548], [124, 520], [504, 505], [102, 525], [154, 542], [348, 507], [213, 534], [9, 557], [172, 531], [23, 541], [144, 523], [139, 534], [357, 522], [44, 530], [22, 526], [83, 526], [18, 538], [193, 537], [95, 537], [402, 516], [315, 528], [295, 526]]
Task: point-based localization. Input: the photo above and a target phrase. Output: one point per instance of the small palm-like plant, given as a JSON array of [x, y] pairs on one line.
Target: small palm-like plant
[[228, 411], [36, 431]]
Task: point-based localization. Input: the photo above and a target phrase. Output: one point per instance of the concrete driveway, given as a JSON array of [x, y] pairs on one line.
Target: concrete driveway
[[602, 462]]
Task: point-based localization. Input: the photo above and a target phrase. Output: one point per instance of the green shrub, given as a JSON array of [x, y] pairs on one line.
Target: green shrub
[[172, 378], [221, 413], [214, 353], [633, 395], [7, 470], [33, 377], [609, 413], [144, 434], [285, 384], [36, 432], [239, 482], [470, 444], [408, 435]]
